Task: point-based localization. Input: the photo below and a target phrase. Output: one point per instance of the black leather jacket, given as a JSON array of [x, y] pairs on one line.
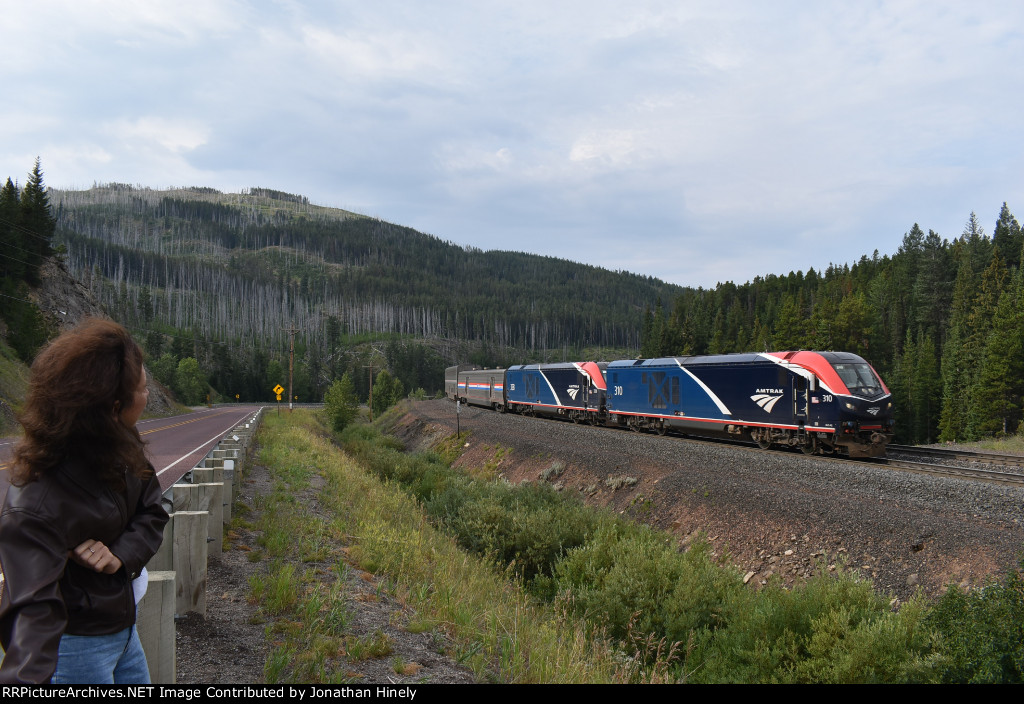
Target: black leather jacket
[[46, 594]]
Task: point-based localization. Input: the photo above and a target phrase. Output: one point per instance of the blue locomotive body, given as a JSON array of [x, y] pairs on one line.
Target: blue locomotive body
[[573, 390], [816, 401]]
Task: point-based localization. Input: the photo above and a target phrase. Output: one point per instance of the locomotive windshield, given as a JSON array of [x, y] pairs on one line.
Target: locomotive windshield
[[860, 379]]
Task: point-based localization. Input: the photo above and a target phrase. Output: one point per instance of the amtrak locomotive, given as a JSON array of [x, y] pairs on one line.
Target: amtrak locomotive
[[820, 402]]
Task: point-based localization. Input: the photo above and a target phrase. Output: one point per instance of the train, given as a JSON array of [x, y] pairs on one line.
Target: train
[[817, 402]]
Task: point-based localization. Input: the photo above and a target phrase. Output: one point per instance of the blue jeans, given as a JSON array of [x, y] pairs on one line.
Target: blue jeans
[[113, 659]]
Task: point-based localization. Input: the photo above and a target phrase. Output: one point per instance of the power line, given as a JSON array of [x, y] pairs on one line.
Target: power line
[[24, 230], [15, 259], [15, 298]]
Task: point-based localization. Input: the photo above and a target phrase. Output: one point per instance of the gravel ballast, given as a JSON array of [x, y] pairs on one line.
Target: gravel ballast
[[774, 513]]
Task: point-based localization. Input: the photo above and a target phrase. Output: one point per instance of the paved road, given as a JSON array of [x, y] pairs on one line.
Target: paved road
[[175, 444]]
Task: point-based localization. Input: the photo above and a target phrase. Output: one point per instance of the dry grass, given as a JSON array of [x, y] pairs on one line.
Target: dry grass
[[501, 633]]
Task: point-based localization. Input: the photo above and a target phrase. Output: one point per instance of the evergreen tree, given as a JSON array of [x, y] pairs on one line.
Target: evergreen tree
[[932, 293], [646, 332], [968, 327], [999, 389], [900, 384], [12, 251], [1008, 237], [276, 374], [791, 326], [36, 223], [926, 394], [916, 395]]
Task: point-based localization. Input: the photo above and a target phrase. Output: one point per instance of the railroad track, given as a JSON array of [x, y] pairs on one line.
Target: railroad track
[[954, 472], [960, 455], [918, 467], [967, 470]]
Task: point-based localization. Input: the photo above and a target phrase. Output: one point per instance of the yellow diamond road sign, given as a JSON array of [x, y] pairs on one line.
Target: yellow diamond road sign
[[278, 389]]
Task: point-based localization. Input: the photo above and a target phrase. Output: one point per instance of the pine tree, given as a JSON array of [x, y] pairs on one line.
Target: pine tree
[[1008, 237], [965, 339], [791, 325], [998, 392], [36, 223], [12, 251], [932, 293], [926, 393], [901, 384]]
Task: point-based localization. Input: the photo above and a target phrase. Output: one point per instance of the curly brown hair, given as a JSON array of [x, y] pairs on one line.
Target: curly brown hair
[[79, 381]]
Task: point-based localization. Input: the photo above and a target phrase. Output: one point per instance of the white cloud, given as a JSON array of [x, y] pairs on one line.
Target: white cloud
[[610, 147], [834, 125], [156, 134]]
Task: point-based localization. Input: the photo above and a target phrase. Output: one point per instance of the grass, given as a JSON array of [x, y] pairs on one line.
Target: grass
[[499, 630], [14, 375], [1013, 445], [534, 587]]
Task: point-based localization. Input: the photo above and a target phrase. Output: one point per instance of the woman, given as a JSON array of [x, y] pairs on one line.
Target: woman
[[82, 516]]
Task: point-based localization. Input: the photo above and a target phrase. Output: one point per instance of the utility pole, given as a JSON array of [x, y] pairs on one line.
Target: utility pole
[[370, 366], [291, 362]]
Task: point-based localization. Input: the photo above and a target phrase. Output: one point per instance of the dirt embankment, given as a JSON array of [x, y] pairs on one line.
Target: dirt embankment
[[775, 514]]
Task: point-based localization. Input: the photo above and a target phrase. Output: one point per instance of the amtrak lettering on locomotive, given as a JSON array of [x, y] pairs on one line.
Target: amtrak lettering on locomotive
[[816, 401]]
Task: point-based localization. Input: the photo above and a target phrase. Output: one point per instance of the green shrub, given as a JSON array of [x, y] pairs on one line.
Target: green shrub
[[982, 631], [530, 526], [341, 403], [832, 628], [627, 577]]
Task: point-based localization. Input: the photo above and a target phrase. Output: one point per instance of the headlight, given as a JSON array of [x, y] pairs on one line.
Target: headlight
[[849, 406]]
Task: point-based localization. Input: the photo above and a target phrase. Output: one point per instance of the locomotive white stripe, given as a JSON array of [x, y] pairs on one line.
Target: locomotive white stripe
[[718, 402], [546, 381]]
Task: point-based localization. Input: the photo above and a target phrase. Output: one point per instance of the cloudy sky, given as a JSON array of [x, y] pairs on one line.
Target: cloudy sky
[[693, 141]]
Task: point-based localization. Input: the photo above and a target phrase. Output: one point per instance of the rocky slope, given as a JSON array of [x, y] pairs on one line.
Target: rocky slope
[[775, 514], [65, 302]]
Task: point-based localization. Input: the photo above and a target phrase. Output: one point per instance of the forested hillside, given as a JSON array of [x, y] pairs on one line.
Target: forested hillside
[[219, 285], [223, 277], [942, 321], [26, 230]]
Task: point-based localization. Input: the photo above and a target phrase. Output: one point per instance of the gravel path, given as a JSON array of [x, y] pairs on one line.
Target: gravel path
[[774, 513]]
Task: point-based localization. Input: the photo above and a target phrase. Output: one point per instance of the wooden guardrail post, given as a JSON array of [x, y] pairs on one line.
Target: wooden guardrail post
[[155, 622], [190, 559], [178, 572]]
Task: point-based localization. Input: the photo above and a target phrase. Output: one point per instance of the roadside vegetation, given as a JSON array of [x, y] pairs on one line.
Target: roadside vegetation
[[499, 630], [13, 388], [533, 586]]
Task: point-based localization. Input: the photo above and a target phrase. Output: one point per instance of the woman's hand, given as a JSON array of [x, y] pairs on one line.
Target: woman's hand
[[96, 556]]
